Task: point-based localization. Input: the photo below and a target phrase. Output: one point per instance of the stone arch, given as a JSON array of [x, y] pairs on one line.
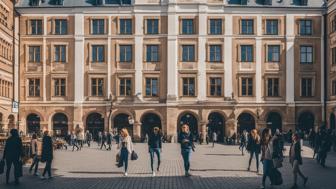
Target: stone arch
[[33, 123], [60, 124], [216, 123], [11, 122], [246, 121], [95, 123], [306, 121], [121, 120], [149, 120], [190, 118], [274, 121]]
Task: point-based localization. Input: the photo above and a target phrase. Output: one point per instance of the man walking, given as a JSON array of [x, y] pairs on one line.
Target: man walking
[[214, 138]]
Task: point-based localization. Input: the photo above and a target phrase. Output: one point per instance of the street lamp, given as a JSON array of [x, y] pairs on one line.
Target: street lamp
[[110, 114]]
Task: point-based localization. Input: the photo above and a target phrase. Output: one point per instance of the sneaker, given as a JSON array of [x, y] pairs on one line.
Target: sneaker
[[187, 174], [262, 187], [51, 177], [153, 174], [305, 181], [42, 178], [36, 174], [125, 174]]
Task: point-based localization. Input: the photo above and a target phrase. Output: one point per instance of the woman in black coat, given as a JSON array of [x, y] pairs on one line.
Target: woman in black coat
[[47, 154], [12, 154]]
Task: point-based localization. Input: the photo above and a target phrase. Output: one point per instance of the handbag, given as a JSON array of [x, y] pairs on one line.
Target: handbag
[[2, 166], [134, 156]]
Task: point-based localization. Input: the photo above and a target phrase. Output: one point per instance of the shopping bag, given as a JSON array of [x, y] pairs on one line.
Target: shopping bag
[[134, 155]]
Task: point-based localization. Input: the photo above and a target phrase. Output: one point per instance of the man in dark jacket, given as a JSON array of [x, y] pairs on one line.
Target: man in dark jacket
[[47, 153], [295, 159], [12, 154], [103, 141], [109, 140], [155, 146]]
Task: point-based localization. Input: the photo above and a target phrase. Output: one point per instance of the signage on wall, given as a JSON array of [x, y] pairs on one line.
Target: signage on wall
[[15, 107]]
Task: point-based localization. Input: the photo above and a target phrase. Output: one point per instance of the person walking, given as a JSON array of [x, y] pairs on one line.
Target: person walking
[[214, 138], [103, 141], [34, 155], [185, 138], [266, 155], [74, 141], [47, 154], [325, 146], [109, 138], [253, 147], [88, 138], [126, 148], [80, 138], [99, 138], [155, 147], [295, 159], [243, 139], [12, 154]]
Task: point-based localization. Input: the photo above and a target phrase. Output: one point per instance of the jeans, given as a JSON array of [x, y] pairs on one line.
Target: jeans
[[9, 163], [267, 167], [257, 159], [124, 157], [156, 151], [186, 154], [297, 171], [35, 164], [47, 168]]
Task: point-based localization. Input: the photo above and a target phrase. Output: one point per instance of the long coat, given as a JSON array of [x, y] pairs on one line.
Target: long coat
[[13, 148], [47, 149]]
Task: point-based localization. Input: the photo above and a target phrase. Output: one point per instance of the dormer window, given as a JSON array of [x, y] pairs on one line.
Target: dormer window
[[58, 2], [304, 2]]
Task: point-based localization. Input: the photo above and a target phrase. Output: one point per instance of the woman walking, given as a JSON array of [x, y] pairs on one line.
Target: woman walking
[[34, 151], [253, 146], [12, 154], [126, 148], [155, 146], [185, 138], [295, 159], [47, 154], [266, 154]]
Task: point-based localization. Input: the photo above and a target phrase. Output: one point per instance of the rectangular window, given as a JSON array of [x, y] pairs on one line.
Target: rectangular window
[[188, 26], [126, 26], [216, 27], [246, 86], [333, 89], [60, 53], [98, 53], [188, 86], [152, 53], [188, 53], [306, 87], [247, 26], [59, 87], [272, 27], [215, 53], [273, 53], [97, 87], [333, 55], [125, 53], [34, 87], [152, 87], [61, 26], [35, 54], [152, 26], [273, 87], [98, 26], [306, 27], [216, 86], [246, 53], [36, 27], [125, 88], [306, 54]]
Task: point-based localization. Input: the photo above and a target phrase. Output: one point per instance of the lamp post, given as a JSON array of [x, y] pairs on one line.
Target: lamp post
[[110, 114]]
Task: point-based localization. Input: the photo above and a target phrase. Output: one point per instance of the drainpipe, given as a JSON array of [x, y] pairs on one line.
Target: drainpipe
[[326, 61]]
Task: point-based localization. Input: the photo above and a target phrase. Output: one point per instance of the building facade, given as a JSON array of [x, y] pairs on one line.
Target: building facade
[[217, 65], [331, 64], [8, 64]]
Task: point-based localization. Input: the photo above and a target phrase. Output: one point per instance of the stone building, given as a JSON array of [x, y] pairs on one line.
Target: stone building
[[225, 65], [8, 64]]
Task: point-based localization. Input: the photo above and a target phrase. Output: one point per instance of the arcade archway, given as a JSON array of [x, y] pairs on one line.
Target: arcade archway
[[246, 122], [95, 124], [33, 124], [60, 125], [148, 122], [274, 121], [216, 124]]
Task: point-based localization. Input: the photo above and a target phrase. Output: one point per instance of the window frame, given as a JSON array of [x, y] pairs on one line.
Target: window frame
[[271, 21], [150, 53], [123, 86], [274, 89], [32, 58], [215, 85], [306, 55], [303, 27], [247, 59], [95, 58], [62, 23], [248, 88], [220, 27], [213, 57], [123, 53], [245, 23], [189, 93], [36, 87], [304, 90], [123, 26], [96, 85], [96, 24], [185, 27], [189, 59], [149, 30], [58, 88], [270, 51], [150, 87], [38, 24]]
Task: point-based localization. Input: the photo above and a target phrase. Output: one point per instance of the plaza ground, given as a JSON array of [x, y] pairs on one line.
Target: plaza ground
[[222, 167]]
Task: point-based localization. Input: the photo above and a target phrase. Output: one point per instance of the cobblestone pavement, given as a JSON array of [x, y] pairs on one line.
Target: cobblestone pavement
[[222, 167]]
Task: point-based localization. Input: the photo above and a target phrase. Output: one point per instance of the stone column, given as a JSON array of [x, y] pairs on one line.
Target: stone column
[[228, 89], [138, 60], [204, 130], [230, 127], [137, 131], [201, 49]]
